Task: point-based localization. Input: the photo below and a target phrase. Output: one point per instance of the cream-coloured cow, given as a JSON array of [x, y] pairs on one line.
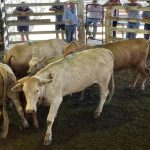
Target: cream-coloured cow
[[70, 74], [7, 81], [19, 55]]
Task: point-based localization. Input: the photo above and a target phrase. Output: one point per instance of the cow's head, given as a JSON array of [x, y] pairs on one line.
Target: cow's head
[[33, 90], [35, 64]]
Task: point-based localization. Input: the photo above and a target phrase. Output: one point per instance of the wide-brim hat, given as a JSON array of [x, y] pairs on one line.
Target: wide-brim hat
[[71, 1]]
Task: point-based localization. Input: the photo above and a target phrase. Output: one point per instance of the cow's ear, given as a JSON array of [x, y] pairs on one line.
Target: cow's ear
[[51, 76], [42, 59], [45, 81], [17, 87]]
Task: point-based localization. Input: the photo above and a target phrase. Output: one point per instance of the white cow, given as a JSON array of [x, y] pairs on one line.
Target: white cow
[[70, 74], [19, 55]]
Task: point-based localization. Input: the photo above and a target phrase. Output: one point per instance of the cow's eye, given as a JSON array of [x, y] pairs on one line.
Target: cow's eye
[[37, 91], [35, 66]]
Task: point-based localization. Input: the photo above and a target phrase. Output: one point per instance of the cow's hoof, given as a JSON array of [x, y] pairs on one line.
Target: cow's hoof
[[3, 135], [131, 87], [25, 124], [47, 142], [36, 126], [96, 114]]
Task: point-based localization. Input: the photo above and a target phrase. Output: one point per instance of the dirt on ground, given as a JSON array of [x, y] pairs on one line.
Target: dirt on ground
[[124, 123]]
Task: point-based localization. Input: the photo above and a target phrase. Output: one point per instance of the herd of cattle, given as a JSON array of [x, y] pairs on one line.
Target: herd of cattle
[[48, 70]]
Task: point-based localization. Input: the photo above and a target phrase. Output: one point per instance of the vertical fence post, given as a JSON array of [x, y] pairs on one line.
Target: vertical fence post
[[1, 26], [81, 34], [108, 24]]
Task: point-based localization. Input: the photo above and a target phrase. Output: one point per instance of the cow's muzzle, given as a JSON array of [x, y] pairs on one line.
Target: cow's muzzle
[[30, 111]]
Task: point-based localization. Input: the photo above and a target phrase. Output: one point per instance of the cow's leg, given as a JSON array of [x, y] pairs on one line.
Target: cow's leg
[[144, 74], [21, 114], [5, 122], [50, 119], [104, 92], [136, 77], [35, 122]]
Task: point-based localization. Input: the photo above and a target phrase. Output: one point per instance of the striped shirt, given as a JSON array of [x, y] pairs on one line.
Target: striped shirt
[[95, 11]]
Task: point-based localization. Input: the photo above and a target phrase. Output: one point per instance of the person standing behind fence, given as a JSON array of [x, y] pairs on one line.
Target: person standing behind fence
[[60, 25], [22, 13], [95, 14], [71, 21], [115, 12], [133, 14], [146, 15]]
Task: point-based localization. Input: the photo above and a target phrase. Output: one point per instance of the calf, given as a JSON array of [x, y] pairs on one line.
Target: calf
[[70, 74]]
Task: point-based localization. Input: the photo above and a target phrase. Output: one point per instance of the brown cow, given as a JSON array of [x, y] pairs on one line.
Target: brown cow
[[127, 53]]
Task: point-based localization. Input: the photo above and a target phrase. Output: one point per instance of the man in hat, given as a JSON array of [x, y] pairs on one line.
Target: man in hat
[[71, 21], [133, 14], [61, 25], [146, 15], [94, 15], [22, 13]]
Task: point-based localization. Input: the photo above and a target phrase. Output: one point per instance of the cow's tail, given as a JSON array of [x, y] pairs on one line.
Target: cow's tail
[[111, 90], [9, 59], [4, 100]]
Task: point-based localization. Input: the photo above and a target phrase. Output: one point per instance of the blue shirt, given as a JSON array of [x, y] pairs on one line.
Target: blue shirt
[[70, 17], [133, 13]]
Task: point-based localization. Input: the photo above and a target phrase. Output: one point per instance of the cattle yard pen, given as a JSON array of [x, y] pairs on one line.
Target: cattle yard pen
[[124, 123], [46, 22], [109, 19]]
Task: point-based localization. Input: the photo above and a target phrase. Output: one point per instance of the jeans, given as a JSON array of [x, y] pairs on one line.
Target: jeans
[[94, 23], [70, 31], [114, 25], [146, 27], [132, 25]]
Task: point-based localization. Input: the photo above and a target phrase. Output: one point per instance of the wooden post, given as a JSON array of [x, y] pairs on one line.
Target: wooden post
[[108, 24], [1, 30], [81, 34]]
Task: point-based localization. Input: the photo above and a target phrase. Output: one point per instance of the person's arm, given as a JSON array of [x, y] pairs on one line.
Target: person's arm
[[53, 8], [18, 12], [111, 4], [106, 4], [65, 18], [144, 15], [126, 6], [29, 11]]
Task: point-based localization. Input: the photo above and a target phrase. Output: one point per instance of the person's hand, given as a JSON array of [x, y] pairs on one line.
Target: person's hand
[[139, 6], [22, 13], [70, 22]]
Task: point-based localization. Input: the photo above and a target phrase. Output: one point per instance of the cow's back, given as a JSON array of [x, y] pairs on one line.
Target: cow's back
[[128, 52], [77, 71], [18, 56]]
